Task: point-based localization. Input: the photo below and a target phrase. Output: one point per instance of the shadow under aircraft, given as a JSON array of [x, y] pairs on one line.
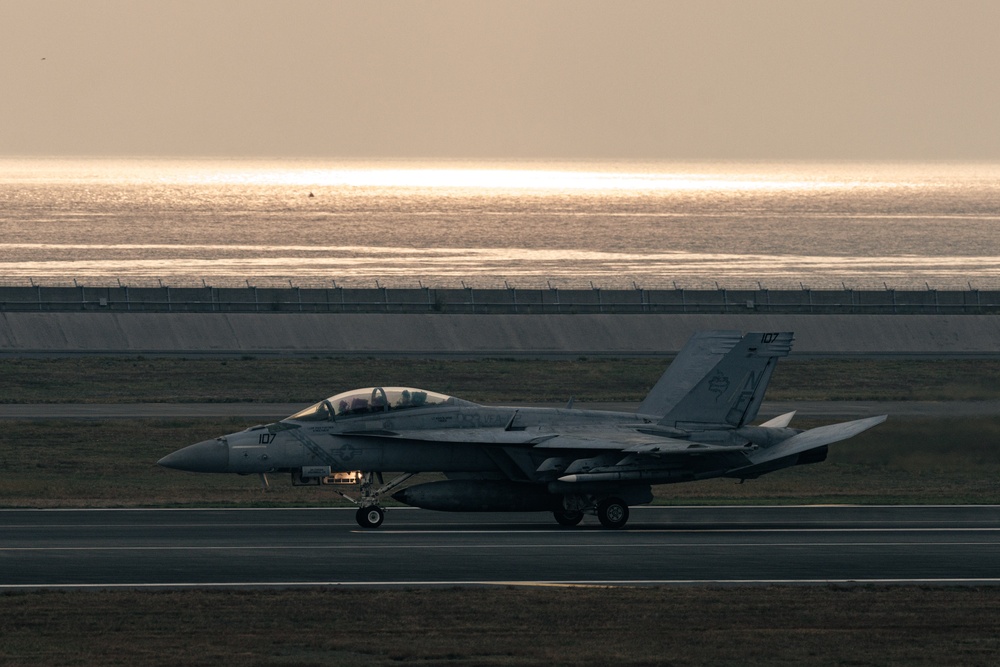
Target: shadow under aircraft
[[693, 425]]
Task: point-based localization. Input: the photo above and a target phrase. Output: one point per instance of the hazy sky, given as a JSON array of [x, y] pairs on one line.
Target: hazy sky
[[740, 79]]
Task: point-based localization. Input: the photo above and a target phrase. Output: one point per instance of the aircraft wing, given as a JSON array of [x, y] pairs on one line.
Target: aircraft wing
[[630, 442], [635, 443], [626, 442], [816, 437], [471, 436]]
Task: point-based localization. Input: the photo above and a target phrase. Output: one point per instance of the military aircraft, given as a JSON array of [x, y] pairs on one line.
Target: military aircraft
[[693, 425]]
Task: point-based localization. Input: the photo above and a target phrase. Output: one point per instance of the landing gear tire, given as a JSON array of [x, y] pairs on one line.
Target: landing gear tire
[[612, 513], [370, 517], [568, 518]]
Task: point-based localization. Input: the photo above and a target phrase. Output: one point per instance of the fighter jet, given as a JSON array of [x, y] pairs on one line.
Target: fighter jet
[[693, 425]]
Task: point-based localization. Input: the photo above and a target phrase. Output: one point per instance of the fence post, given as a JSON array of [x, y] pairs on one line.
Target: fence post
[[642, 297], [892, 293]]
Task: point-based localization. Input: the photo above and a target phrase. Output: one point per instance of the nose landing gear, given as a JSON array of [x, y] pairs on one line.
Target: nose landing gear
[[370, 512], [370, 517]]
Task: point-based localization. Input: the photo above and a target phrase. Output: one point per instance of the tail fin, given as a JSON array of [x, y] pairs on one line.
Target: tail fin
[[699, 355], [730, 393]]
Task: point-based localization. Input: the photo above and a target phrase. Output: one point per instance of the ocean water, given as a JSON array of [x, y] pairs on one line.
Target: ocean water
[[487, 224]]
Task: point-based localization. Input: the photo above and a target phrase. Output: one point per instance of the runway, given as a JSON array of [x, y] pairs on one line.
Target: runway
[[188, 548]]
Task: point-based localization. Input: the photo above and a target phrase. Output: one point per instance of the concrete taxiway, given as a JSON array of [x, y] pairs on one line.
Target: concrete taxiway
[[661, 545]]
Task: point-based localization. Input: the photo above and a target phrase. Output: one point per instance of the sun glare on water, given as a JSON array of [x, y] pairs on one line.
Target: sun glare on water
[[607, 176], [499, 179]]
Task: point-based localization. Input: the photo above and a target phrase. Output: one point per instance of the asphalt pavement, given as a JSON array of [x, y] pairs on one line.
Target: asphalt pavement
[[182, 548]]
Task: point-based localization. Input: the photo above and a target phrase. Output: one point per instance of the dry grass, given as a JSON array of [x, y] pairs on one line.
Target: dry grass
[[886, 380], [511, 626], [297, 380]]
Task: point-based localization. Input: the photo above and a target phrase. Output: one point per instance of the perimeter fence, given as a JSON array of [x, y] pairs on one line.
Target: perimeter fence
[[491, 301]]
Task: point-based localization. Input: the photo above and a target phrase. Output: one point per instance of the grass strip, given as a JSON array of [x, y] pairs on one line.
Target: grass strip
[[300, 380], [505, 626]]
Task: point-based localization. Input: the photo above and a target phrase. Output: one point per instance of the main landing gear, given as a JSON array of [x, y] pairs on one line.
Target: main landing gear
[[370, 513], [611, 512], [568, 518]]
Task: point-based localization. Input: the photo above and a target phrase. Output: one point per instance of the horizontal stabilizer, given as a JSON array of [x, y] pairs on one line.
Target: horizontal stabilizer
[[816, 437]]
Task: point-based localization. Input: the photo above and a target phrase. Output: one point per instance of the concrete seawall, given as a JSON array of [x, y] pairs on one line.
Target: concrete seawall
[[378, 334]]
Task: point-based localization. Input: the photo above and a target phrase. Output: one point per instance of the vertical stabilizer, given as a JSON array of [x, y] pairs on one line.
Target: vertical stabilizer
[[702, 352], [730, 393]]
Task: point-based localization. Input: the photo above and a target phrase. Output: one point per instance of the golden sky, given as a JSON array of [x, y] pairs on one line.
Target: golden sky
[[700, 79]]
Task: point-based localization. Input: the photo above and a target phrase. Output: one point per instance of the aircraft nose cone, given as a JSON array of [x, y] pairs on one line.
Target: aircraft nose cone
[[205, 456]]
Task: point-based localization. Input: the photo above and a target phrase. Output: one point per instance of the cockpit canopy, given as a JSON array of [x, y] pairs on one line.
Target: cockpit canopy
[[374, 400]]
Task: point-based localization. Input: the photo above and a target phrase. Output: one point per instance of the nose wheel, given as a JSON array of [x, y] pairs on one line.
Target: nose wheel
[[370, 517]]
